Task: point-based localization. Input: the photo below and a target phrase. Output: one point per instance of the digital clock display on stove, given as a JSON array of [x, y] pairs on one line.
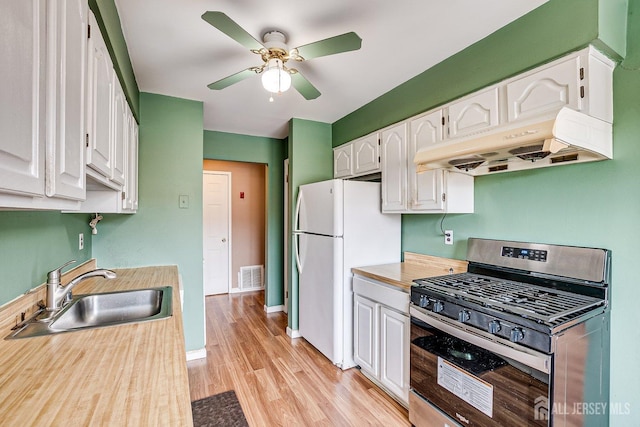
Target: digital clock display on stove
[[524, 253]]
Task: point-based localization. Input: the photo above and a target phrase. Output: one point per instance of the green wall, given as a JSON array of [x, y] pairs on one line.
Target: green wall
[[310, 160], [160, 233], [269, 151], [33, 243], [573, 204], [556, 27]]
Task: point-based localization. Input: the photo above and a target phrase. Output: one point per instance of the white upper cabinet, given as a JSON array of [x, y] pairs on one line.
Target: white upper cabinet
[[425, 189], [130, 200], [358, 157], [406, 191], [100, 103], [342, 156], [394, 168], [22, 131], [366, 154], [112, 137], [42, 127], [67, 63], [581, 80], [474, 113], [544, 91], [120, 132]]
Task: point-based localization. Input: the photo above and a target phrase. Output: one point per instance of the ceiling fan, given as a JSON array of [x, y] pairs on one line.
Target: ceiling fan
[[276, 76]]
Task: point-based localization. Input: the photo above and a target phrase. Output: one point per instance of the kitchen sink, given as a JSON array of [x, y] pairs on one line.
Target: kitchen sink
[[101, 310]]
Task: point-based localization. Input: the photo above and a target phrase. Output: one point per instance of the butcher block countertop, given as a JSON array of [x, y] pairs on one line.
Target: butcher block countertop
[[415, 266], [133, 374]]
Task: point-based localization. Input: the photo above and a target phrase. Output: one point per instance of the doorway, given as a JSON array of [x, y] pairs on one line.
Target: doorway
[[247, 223]]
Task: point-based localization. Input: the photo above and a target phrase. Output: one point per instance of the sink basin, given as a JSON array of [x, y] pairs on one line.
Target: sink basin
[[100, 310]]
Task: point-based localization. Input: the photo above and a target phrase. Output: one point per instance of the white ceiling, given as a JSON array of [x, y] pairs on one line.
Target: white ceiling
[[174, 52]]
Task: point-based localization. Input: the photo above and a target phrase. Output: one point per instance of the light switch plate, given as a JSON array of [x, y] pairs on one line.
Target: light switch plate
[[183, 201]]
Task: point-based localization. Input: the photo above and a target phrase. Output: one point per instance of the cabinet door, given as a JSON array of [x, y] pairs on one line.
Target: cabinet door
[[120, 132], [130, 201], [365, 334], [394, 168], [66, 68], [473, 114], [99, 153], [366, 155], [22, 59], [394, 352], [425, 189], [545, 91], [342, 161]]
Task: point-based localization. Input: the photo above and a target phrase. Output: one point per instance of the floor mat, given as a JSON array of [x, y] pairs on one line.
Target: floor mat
[[221, 409]]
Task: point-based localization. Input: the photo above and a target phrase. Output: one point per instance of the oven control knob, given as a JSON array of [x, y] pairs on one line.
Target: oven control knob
[[494, 327], [438, 306], [424, 301], [463, 316], [517, 334]]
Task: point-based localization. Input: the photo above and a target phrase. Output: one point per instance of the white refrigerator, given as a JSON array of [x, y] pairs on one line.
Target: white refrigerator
[[338, 225]]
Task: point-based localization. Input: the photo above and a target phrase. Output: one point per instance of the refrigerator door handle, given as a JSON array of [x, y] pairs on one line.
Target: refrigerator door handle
[[296, 250], [296, 217]]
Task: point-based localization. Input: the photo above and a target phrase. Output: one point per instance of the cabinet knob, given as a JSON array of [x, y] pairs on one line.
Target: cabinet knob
[[224, 240]]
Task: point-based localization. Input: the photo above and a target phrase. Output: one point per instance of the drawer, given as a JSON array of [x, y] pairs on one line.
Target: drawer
[[384, 294]]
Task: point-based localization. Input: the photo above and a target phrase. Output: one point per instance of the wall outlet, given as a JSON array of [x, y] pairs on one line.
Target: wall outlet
[[80, 241], [448, 237]]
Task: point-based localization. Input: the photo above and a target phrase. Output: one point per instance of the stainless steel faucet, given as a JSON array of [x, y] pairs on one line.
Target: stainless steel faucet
[[58, 295]]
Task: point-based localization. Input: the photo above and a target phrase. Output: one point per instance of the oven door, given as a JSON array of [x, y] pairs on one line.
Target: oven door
[[474, 380]]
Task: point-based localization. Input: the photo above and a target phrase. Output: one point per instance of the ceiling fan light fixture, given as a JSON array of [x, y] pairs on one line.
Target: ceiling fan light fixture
[[275, 79]]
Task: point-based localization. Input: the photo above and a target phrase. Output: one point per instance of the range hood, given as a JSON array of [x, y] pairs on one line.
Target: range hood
[[567, 136]]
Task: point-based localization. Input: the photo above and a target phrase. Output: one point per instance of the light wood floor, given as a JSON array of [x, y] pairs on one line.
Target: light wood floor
[[280, 381]]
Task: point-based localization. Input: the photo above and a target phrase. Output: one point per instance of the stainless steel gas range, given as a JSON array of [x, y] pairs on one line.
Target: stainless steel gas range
[[520, 339]]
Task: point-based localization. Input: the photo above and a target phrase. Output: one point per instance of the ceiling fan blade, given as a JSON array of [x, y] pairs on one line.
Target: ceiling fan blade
[[303, 86], [338, 44], [225, 24], [232, 79]]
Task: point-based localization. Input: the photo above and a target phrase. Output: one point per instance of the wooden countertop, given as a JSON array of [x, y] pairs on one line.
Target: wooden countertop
[[121, 375], [415, 266]]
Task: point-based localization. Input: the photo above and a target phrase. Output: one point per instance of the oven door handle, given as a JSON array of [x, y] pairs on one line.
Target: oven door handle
[[531, 358]]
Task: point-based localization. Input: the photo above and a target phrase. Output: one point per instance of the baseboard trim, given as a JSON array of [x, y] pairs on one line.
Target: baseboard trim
[[273, 308], [293, 333], [240, 291], [197, 354]]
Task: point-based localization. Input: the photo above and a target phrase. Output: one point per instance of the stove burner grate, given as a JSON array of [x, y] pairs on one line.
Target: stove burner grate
[[524, 299]]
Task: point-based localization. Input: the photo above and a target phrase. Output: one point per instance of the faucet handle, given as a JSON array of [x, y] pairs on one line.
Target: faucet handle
[[53, 277]]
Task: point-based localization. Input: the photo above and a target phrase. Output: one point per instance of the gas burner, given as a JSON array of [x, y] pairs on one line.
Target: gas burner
[[519, 298]]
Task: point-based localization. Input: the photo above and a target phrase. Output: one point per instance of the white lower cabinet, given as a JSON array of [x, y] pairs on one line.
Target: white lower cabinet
[[381, 335]]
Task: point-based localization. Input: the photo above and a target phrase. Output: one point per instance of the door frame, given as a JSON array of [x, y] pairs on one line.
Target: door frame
[[286, 238], [229, 213]]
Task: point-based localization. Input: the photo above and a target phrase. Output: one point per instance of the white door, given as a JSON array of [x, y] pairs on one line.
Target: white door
[[67, 65], [365, 334], [394, 169], [366, 154], [22, 57], [319, 208], [425, 188], [100, 70], [394, 352], [216, 228]]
